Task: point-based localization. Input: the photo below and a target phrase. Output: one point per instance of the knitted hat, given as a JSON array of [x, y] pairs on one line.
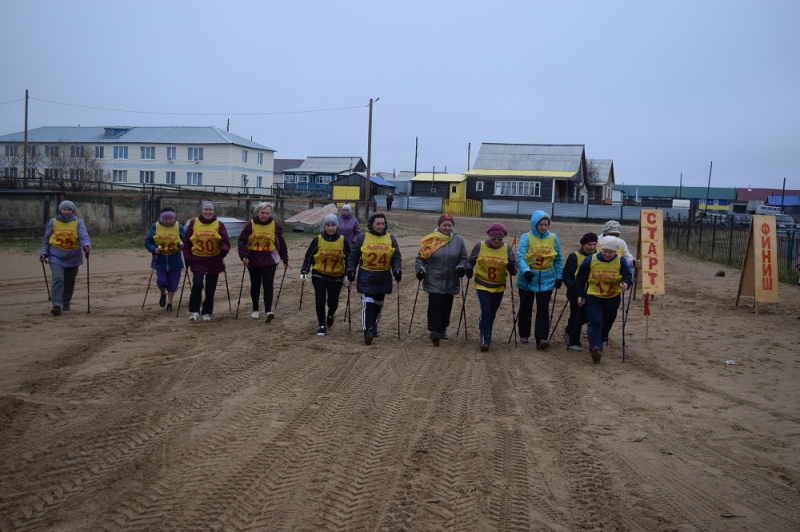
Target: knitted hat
[[497, 230], [611, 226], [346, 206], [609, 242], [588, 237], [207, 205], [444, 217], [66, 204], [330, 219]]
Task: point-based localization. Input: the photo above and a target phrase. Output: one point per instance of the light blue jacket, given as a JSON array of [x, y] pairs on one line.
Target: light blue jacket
[[542, 280]]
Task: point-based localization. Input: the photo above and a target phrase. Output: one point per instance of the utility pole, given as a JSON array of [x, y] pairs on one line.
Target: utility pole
[[708, 188], [469, 149], [369, 151], [416, 154], [25, 145]]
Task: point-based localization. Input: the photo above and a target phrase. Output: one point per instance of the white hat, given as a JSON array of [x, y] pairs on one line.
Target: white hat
[[609, 242]]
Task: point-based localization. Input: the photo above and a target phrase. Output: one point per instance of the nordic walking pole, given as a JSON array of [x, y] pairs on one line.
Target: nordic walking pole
[[46, 282], [227, 289], [626, 311], [552, 310], [515, 314], [241, 286], [558, 321], [183, 286], [280, 289], [398, 310], [302, 287], [88, 298], [463, 313], [414, 308], [148, 289], [347, 310]]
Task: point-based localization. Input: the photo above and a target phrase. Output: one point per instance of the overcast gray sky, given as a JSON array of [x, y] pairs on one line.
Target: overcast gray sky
[[662, 88]]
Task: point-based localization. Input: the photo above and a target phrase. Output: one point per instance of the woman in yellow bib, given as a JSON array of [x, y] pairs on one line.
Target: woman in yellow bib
[[261, 248], [325, 259], [205, 245], [602, 278], [376, 255], [64, 243], [441, 263], [540, 265], [492, 261], [165, 242]]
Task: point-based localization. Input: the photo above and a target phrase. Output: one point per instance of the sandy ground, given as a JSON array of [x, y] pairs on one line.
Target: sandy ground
[[122, 419]]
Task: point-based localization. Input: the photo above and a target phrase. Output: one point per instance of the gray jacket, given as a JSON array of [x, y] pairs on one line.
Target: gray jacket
[[440, 268]]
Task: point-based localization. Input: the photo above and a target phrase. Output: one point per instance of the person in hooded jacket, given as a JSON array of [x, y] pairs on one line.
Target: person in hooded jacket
[[205, 245], [540, 266], [376, 255], [261, 247], [65, 241], [441, 264], [577, 314], [348, 225], [326, 259], [165, 242]]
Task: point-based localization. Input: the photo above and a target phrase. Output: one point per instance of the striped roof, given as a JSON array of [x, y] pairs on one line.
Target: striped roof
[[550, 159], [327, 165], [603, 174], [133, 135]]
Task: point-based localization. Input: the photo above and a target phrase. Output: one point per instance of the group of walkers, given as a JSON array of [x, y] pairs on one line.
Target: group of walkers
[[595, 275]]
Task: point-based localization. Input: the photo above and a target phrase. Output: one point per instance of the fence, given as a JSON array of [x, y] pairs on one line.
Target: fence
[[727, 245]]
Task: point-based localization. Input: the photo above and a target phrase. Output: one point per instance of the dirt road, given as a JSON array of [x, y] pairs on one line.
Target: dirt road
[[129, 420]]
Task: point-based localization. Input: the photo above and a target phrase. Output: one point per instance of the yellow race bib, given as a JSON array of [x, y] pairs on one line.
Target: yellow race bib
[[205, 238], [329, 258], [65, 235], [604, 277], [491, 268], [262, 238], [541, 252], [169, 238], [376, 252]]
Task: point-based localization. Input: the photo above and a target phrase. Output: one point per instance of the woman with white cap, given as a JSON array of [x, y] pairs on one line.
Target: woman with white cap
[[261, 248], [613, 228], [325, 259], [165, 242], [64, 243], [205, 246], [348, 225]]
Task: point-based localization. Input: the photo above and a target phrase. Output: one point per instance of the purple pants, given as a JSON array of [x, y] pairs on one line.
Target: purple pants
[[169, 280]]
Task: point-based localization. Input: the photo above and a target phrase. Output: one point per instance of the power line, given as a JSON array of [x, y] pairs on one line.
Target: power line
[[200, 114], [12, 101]]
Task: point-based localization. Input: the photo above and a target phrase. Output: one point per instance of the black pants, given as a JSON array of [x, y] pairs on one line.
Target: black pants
[[541, 329], [371, 307], [262, 277], [197, 292], [439, 308], [577, 318], [326, 291]]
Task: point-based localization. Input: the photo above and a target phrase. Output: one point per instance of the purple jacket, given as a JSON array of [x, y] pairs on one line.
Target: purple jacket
[[349, 228], [206, 265], [65, 259]]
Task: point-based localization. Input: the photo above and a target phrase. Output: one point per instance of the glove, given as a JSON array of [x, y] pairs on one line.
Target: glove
[[470, 272], [43, 257], [398, 275], [528, 276], [347, 283], [286, 263], [223, 253], [87, 249], [421, 274], [187, 261], [303, 276], [351, 276], [460, 271], [559, 282]]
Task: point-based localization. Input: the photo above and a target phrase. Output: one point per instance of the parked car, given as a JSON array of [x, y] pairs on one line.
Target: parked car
[[784, 222], [738, 219]]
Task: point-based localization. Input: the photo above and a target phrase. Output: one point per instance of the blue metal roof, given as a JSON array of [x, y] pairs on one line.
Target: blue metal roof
[[786, 201]]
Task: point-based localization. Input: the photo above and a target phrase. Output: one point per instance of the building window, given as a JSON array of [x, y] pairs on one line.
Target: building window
[[32, 173], [51, 151], [147, 177], [120, 152], [245, 180], [170, 178], [194, 178], [260, 181], [301, 179], [99, 152], [453, 189], [76, 152], [147, 153], [120, 176], [518, 188], [76, 174], [324, 179], [260, 159], [10, 172], [12, 150], [51, 173], [194, 154], [591, 193], [172, 153], [31, 151], [478, 186], [244, 156]]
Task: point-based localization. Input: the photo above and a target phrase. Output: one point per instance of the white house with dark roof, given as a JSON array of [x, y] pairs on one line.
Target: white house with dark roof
[[159, 155]]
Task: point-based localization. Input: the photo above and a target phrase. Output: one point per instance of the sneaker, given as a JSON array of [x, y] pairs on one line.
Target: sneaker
[[55, 311], [65, 307], [368, 337], [574, 348], [596, 355], [524, 340], [206, 317], [329, 321], [375, 331], [443, 335], [484, 347], [169, 308], [321, 330], [434, 336], [254, 315], [543, 344], [270, 317], [194, 316], [162, 301], [566, 338]]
